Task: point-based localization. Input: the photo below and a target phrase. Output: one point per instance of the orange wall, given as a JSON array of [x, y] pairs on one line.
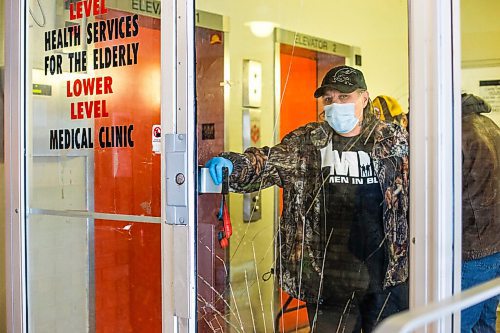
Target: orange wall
[[301, 73], [127, 277], [298, 107], [298, 80]]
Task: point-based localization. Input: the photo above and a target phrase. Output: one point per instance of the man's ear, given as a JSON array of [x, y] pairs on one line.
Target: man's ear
[[366, 96]]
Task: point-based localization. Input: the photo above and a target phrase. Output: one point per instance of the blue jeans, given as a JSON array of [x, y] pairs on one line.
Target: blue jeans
[[480, 318]]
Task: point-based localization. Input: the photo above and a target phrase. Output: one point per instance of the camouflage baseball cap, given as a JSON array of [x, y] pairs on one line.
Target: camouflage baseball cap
[[342, 78]]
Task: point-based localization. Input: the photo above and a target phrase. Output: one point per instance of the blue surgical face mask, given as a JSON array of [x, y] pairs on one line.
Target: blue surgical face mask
[[341, 117]]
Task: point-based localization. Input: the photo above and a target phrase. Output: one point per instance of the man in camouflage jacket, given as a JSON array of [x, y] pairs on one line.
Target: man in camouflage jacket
[[295, 165], [346, 177]]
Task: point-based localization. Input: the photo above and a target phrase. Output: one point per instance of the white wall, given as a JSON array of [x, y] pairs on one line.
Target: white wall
[[470, 84], [480, 33], [57, 274]]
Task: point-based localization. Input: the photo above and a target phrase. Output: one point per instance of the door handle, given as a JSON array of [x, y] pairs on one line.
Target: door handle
[[206, 183]]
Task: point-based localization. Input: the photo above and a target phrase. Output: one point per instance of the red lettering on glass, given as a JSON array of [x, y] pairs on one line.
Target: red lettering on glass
[[87, 7]]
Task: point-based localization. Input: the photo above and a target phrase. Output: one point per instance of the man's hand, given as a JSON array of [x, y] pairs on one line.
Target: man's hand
[[215, 165]]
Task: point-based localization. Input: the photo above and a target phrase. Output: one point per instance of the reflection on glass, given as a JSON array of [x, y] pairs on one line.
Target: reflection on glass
[[339, 247], [481, 158], [58, 274], [94, 101]]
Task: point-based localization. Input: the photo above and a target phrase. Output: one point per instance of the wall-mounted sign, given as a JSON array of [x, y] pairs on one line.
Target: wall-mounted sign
[[490, 92], [42, 89], [312, 43], [156, 138], [207, 131], [150, 8]]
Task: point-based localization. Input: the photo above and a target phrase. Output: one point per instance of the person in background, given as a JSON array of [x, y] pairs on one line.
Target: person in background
[[480, 209], [343, 234], [387, 109]]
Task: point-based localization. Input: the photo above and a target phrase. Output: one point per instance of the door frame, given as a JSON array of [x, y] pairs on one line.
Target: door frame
[[14, 104], [434, 37], [435, 192], [177, 119]]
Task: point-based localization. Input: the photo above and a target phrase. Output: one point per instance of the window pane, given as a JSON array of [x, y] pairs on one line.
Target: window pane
[[339, 250], [481, 157], [93, 167]]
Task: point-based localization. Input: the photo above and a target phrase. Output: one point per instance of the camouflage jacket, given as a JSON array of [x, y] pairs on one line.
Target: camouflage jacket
[[295, 165]]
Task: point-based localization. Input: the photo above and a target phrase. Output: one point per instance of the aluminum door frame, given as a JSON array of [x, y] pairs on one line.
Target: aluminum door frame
[[14, 133], [177, 118], [436, 169]]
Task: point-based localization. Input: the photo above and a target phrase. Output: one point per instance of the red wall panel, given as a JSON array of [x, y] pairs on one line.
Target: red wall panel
[[298, 82], [127, 181]]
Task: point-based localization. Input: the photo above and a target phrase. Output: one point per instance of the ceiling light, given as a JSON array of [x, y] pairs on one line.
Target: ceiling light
[[261, 28]]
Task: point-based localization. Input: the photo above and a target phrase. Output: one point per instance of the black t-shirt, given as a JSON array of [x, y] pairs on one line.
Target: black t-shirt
[[355, 260]]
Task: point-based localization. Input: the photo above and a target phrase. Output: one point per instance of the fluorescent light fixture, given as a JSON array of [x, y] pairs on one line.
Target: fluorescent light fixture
[[261, 28]]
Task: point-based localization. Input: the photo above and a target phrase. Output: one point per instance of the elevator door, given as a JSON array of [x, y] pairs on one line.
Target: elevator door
[[301, 71], [211, 258]]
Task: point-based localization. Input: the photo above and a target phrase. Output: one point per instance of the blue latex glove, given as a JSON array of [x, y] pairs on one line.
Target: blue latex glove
[[215, 165]]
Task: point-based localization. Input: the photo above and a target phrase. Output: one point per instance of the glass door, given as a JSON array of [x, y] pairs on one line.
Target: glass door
[[91, 245], [211, 271], [480, 118], [277, 269], [93, 130]]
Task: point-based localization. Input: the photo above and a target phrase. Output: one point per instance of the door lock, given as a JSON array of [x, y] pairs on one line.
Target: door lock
[[179, 179], [176, 211]]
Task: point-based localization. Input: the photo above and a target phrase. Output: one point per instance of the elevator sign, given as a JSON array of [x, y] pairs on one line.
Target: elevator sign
[[490, 91], [151, 8], [313, 43]]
